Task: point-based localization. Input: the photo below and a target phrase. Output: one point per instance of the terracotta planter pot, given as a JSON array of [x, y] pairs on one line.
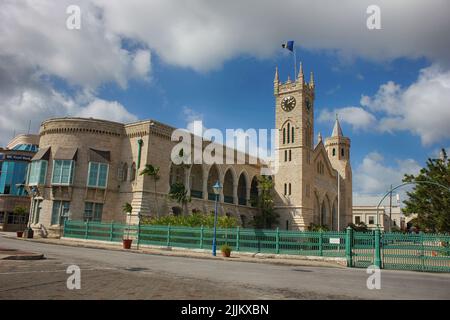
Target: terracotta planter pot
[[19, 234], [226, 254], [127, 243]]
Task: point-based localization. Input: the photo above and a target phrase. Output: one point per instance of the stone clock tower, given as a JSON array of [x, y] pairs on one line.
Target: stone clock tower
[[294, 119]]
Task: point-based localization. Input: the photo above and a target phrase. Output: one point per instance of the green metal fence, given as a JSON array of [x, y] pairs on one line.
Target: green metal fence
[[420, 252], [329, 244]]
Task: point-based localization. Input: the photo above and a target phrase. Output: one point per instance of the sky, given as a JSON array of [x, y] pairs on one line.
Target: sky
[[180, 61]]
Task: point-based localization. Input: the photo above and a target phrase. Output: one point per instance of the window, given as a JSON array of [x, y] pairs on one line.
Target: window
[[290, 155], [371, 220], [60, 211], [93, 211], [357, 220], [62, 172], [334, 152], [98, 175], [289, 132], [285, 189], [133, 172], [342, 152], [285, 155], [37, 172], [37, 207], [293, 140], [290, 189], [125, 172], [284, 135]]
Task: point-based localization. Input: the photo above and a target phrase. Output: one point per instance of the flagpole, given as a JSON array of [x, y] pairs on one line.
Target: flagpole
[[295, 65]]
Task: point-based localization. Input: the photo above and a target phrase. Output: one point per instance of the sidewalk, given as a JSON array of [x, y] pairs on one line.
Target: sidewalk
[[279, 259]]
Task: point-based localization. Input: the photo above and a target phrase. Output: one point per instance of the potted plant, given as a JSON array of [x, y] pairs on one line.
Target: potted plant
[[20, 212], [127, 209], [226, 250]]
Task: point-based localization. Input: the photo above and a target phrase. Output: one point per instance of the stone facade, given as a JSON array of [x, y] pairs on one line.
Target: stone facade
[[130, 147], [306, 182], [308, 175]]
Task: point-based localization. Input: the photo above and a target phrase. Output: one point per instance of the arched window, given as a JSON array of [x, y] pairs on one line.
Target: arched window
[[293, 139], [288, 132], [133, 172], [342, 152], [125, 172], [284, 135], [334, 152]]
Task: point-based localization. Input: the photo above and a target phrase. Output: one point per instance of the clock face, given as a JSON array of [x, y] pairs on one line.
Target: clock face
[[288, 103]]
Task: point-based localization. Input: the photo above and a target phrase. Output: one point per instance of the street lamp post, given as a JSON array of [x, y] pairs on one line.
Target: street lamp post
[[216, 188]]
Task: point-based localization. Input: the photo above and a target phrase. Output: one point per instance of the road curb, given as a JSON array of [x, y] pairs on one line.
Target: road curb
[[327, 262]]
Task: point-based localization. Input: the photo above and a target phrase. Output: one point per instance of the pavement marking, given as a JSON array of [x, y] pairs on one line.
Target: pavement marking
[[53, 271]]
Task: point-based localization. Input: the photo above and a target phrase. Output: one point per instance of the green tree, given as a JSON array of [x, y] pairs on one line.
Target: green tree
[[431, 202], [179, 193], [267, 216], [127, 209], [153, 172], [20, 212]]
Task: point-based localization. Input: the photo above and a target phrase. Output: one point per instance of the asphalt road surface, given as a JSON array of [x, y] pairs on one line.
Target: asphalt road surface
[[109, 274]]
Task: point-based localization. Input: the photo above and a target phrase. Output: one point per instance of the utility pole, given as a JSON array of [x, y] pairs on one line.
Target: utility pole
[[339, 201], [390, 209]]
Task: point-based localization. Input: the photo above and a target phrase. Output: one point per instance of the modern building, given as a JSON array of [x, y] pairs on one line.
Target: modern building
[[14, 160], [87, 169]]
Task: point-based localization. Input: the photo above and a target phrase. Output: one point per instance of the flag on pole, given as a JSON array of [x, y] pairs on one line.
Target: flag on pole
[[288, 45]]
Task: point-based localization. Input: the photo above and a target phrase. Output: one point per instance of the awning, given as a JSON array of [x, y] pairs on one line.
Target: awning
[[66, 154], [101, 156], [42, 154]]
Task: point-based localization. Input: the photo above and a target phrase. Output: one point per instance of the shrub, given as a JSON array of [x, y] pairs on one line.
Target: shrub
[[225, 249], [193, 220]]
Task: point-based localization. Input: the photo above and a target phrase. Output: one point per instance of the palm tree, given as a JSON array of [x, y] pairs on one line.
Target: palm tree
[[127, 209], [179, 193], [153, 172]]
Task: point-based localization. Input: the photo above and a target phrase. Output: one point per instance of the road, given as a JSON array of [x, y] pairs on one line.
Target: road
[[107, 274]]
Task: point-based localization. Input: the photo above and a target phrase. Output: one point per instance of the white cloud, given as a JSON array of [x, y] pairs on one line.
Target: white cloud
[[118, 38], [34, 33], [374, 177], [422, 108], [108, 110], [203, 34], [357, 117], [38, 104]]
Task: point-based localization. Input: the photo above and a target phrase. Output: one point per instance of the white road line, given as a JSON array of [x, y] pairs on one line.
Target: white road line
[[52, 271]]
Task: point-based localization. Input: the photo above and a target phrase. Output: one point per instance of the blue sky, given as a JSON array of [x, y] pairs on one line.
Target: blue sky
[[240, 95], [215, 61]]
